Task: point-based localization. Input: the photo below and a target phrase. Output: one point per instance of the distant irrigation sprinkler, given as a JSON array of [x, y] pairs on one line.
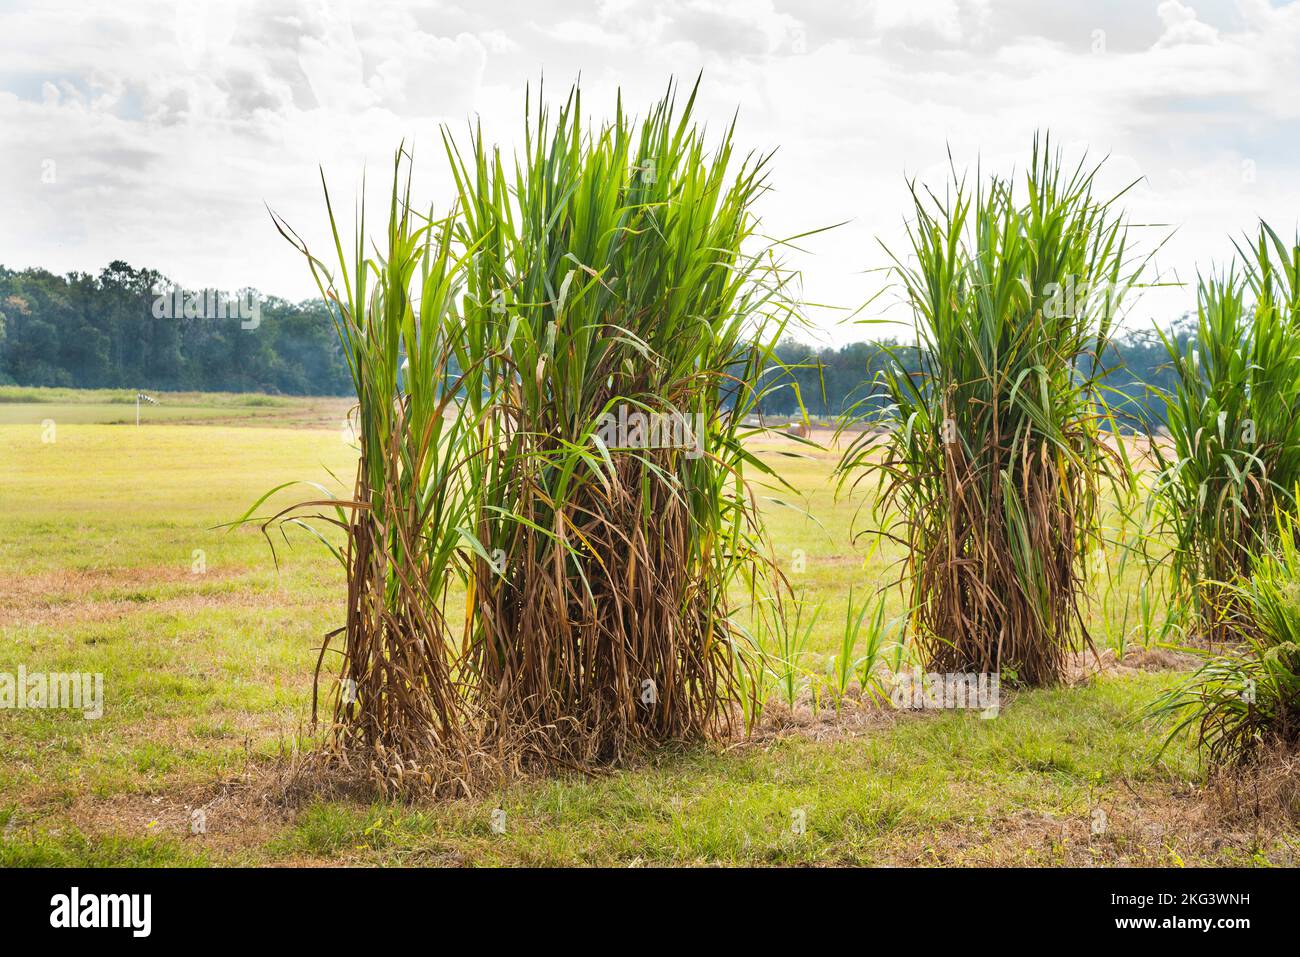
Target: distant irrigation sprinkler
[[141, 397]]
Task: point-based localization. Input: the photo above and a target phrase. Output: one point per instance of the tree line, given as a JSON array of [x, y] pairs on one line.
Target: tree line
[[85, 330], [100, 331], [825, 382]]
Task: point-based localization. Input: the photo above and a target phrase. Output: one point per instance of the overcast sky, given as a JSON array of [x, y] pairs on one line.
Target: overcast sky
[[155, 133]]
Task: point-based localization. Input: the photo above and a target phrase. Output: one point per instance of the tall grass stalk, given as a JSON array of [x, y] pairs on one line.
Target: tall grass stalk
[[787, 656], [846, 663]]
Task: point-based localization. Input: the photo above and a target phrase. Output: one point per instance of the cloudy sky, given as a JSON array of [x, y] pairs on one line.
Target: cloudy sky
[[158, 133]]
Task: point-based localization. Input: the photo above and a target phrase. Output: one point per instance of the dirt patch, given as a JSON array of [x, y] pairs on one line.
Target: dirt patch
[[1082, 666], [56, 587], [1159, 659], [59, 599], [1264, 793], [1154, 825], [220, 819], [101, 612], [221, 815], [855, 718]]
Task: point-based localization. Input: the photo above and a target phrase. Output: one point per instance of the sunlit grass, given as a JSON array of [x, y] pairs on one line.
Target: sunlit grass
[[199, 667]]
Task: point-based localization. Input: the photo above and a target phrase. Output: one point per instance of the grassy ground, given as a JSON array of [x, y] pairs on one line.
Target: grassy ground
[[113, 563]]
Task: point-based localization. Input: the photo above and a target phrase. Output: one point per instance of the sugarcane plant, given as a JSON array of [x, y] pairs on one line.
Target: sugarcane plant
[[1231, 455], [619, 313], [991, 468], [553, 386]]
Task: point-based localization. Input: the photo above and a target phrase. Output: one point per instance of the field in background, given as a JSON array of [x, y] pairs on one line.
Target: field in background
[[113, 562], [21, 405]]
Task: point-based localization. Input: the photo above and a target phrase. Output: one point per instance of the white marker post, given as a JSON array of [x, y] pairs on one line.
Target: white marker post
[[140, 396]]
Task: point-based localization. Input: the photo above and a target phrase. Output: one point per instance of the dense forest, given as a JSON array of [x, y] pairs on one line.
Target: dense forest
[[101, 331]]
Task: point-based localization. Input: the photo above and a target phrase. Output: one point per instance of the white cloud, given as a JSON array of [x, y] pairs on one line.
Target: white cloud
[[951, 21], [591, 34], [424, 75], [170, 129], [740, 28], [1182, 26]]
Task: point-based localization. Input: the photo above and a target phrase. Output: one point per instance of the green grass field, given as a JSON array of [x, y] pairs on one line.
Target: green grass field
[[112, 562]]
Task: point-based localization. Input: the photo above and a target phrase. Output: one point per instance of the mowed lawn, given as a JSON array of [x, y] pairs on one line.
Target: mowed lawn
[[113, 562]]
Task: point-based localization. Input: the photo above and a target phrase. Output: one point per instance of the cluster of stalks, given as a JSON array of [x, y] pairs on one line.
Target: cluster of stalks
[[1232, 456], [995, 456], [1243, 702], [1225, 500], [552, 384], [616, 255]]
